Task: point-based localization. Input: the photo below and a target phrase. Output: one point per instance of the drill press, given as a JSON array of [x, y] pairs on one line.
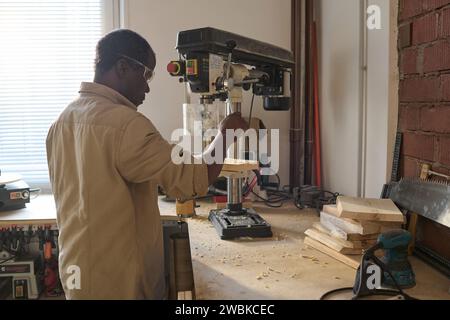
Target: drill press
[[220, 65]]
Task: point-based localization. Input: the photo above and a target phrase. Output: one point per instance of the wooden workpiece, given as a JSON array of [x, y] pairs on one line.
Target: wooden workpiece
[[237, 168], [281, 267], [368, 209]]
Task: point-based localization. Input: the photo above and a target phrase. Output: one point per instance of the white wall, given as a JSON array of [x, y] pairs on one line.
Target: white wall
[[339, 78], [159, 21], [354, 104], [377, 103]]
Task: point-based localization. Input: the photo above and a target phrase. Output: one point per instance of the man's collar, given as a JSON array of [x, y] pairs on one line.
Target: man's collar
[[107, 92]]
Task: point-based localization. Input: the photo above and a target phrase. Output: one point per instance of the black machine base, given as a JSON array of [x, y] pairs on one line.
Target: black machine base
[[246, 224]]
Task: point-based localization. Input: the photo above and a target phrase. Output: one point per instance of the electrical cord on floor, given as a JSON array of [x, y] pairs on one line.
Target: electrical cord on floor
[[378, 292]]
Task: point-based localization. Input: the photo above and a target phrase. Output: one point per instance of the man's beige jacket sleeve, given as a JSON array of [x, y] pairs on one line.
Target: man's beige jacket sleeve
[[144, 155]]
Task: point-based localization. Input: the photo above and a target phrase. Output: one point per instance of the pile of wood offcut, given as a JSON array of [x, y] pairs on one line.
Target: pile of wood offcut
[[352, 226]]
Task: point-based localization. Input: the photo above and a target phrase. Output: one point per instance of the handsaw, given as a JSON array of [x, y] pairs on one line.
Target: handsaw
[[430, 199]]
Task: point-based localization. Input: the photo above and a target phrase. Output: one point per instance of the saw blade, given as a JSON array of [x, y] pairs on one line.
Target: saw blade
[[430, 199]]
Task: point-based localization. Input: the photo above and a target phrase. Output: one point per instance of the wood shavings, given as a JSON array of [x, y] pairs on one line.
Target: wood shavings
[[273, 270]]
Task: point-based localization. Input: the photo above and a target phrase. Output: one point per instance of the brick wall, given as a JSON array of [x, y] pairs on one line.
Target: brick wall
[[424, 62], [424, 111]]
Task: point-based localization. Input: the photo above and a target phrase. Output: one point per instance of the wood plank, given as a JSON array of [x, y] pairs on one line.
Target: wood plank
[[322, 230], [347, 225], [359, 241], [339, 245], [333, 210], [368, 209], [351, 226], [351, 261]]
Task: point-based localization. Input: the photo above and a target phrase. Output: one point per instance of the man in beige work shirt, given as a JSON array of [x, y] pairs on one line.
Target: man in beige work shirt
[[106, 161]]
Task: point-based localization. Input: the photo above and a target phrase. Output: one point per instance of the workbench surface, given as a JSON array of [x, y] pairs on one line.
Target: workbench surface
[[278, 267], [257, 269], [40, 211]]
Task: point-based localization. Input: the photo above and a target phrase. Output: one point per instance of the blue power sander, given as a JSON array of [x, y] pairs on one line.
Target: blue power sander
[[388, 275], [393, 270]]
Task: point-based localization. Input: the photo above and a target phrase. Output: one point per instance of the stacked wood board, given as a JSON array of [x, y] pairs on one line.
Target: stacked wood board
[[352, 226]]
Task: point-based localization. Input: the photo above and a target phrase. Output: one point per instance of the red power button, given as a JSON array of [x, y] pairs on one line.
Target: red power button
[[173, 68]]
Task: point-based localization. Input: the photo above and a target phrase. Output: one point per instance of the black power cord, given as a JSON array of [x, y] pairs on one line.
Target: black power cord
[[251, 110], [377, 292]]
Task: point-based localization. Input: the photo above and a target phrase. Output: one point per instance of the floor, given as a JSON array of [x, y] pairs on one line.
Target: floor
[[279, 267]]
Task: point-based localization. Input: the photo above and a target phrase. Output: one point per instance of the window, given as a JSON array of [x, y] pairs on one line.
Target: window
[[47, 48]]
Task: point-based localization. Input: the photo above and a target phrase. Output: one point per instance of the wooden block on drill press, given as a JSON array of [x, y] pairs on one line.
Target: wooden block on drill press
[[238, 165], [369, 209]]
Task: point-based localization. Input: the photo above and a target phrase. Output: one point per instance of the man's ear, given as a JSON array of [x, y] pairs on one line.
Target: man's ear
[[121, 68]]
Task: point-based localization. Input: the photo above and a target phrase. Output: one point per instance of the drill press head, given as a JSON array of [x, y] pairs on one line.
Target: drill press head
[[220, 65]]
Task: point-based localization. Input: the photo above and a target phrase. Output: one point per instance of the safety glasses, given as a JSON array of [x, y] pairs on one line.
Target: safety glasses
[[148, 73]]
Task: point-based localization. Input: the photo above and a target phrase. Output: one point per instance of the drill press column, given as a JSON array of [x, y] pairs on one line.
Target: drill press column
[[234, 185]]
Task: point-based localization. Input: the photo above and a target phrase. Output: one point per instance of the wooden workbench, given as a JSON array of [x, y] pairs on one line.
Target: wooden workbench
[[40, 211], [279, 267], [257, 269]]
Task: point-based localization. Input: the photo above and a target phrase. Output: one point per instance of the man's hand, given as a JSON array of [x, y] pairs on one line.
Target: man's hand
[[233, 121]]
